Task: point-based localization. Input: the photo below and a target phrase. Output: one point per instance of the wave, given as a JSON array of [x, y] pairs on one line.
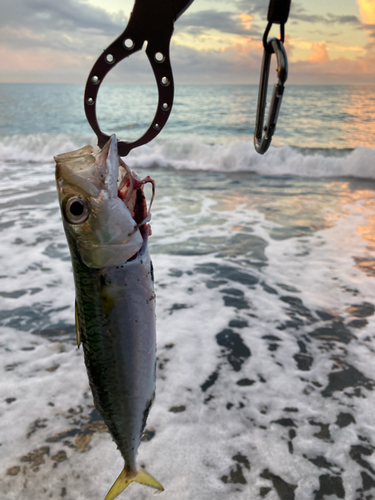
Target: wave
[[39, 148], [192, 153]]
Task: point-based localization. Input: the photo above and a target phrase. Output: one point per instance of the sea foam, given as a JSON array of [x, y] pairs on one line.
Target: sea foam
[[192, 153]]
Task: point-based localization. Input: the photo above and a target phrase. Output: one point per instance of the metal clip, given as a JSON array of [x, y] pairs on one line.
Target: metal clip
[[262, 142], [151, 21]]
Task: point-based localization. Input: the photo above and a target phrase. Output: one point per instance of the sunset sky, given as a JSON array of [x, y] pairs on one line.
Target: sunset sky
[[215, 41]]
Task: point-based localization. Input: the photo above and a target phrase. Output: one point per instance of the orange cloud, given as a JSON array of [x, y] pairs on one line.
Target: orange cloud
[[319, 53], [246, 20], [289, 47], [247, 44], [367, 10]]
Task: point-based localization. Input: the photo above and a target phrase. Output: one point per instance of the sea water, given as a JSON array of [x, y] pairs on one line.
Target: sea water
[[264, 270]]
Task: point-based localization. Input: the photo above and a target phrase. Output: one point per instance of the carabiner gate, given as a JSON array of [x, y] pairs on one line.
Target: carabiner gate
[[262, 142]]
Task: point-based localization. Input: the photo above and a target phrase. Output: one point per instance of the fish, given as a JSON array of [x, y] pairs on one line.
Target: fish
[[106, 222]]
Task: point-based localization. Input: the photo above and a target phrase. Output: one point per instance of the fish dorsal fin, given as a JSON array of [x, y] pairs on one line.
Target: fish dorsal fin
[[78, 332], [125, 478]]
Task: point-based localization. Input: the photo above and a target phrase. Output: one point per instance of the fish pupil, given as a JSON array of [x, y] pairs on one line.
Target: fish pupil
[[76, 208]]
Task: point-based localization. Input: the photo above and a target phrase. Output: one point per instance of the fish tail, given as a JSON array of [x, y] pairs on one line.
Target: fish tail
[[127, 477]]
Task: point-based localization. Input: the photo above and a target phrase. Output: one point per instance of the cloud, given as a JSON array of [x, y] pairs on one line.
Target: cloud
[[343, 19], [215, 31], [246, 20], [367, 10], [66, 15], [235, 65], [46, 35], [254, 7], [342, 70], [59, 40], [318, 53], [225, 22], [298, 12], [51, 40]]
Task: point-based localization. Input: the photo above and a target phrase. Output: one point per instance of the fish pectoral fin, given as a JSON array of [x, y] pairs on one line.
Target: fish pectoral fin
[[78, 333], [125, 479]]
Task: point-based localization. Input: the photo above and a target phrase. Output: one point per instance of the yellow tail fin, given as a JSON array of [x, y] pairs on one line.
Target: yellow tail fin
[[124, 480]]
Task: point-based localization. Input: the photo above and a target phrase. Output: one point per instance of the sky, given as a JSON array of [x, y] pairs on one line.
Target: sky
[[214, 41]]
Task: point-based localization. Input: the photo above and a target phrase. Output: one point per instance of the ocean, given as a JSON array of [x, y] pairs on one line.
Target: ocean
[[264, 275]]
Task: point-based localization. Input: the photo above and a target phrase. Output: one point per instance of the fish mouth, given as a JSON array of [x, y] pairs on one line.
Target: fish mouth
[[126, 184]]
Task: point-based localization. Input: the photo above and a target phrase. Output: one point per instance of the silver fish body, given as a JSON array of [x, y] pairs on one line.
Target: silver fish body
[[116, 318], [115, 303]]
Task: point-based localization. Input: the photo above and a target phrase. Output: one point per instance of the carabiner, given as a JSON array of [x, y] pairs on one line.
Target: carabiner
[[262, 142]]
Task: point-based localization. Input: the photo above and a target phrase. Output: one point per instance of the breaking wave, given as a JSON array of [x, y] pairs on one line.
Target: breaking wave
[[192, 153]]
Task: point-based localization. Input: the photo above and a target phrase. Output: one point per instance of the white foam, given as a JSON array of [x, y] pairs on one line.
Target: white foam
[[193, 449], [193, 153], [39, 148]]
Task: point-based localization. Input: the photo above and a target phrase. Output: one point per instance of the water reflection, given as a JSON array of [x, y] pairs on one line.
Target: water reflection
[[363, 201], [295, 207], [328, 116], [359, 128]]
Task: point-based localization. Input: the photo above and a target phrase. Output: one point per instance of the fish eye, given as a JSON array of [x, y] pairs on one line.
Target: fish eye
[[76, 210]]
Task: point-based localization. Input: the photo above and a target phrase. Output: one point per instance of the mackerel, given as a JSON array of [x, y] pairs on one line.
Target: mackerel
[[105, 220]]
